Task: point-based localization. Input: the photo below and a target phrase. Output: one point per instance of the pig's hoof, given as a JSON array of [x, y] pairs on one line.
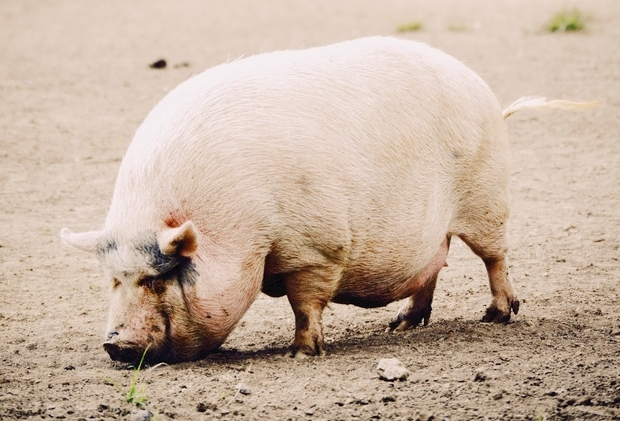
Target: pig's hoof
[[298, 355], [410, 319], [304, 351], [495, 315]]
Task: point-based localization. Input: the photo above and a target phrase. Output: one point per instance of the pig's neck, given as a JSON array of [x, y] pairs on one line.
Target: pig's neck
[[220, 298]]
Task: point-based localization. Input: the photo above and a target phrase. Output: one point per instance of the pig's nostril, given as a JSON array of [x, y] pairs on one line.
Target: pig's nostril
[[112, 334]]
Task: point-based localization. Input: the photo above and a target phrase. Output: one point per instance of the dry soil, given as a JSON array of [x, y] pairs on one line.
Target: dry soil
[[75, 83]]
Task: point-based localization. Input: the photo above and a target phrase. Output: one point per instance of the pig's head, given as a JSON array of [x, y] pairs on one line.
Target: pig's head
[[154, 303]]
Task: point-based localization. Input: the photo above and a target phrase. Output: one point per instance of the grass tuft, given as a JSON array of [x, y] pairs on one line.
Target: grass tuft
[[136, 394], [410, 27], [137, 391], [566, 22]]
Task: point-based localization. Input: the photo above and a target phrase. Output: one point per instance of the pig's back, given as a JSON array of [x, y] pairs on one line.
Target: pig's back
[[352, 148]]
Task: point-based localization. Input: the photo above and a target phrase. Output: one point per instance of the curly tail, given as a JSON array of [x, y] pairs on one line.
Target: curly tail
[[540, 102]]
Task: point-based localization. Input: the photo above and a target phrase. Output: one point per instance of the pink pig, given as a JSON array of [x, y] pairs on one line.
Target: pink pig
[[337, 173]]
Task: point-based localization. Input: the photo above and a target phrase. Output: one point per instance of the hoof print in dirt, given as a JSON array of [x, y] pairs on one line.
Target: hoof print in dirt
[[391, 369]]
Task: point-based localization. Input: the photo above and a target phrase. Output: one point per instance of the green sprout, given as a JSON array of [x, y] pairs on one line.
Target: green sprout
[[566, 22], [136, 394], [137, 391], [410, 27]]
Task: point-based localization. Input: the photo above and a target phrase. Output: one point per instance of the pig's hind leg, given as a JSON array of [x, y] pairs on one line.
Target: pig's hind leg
[[504, 296], [308, 292], [484, 231], [418, 308]]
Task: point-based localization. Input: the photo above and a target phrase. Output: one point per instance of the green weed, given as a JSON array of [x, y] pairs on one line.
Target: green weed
[[566, 22], [136, 394], [410, 27], [137, 391]]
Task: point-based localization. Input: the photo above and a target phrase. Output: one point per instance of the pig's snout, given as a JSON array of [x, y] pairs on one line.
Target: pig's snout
[[126, 352]]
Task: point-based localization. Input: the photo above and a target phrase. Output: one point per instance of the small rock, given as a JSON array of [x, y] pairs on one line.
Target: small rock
[[142, 415], [391, 369], [480, 376], [243, 389], [159, 64], [554, 392], [204, 407], [585, 401]]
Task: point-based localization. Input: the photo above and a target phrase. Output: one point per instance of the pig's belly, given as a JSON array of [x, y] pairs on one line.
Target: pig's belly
[[366, 299], [369, 288], [376, 290]]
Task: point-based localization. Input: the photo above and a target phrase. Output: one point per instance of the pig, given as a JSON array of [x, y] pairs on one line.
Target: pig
[[330, 174]]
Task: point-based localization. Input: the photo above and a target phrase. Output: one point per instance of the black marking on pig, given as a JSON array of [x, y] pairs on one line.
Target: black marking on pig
[[188, 275], [106, 246], [167, 265]]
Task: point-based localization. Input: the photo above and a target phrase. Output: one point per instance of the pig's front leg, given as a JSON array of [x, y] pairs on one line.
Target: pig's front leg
[[308, 292]]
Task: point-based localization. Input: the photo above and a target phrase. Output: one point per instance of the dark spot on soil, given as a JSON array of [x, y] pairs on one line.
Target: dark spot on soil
[[159, 64]]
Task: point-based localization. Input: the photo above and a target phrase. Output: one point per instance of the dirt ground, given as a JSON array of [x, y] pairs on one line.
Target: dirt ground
[[75, 83]]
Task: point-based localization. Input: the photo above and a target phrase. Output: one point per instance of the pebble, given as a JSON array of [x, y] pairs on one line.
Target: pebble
[[142, 415], [243, 389], [391, 369], [159, 64], [480, 375]]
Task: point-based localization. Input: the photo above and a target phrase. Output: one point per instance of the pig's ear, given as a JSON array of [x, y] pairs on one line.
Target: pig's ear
[[86, 241], [182, 240]]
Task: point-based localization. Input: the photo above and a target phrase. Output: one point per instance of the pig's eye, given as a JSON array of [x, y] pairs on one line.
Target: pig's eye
[[115, 283], [147, 282], [153, 283]]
